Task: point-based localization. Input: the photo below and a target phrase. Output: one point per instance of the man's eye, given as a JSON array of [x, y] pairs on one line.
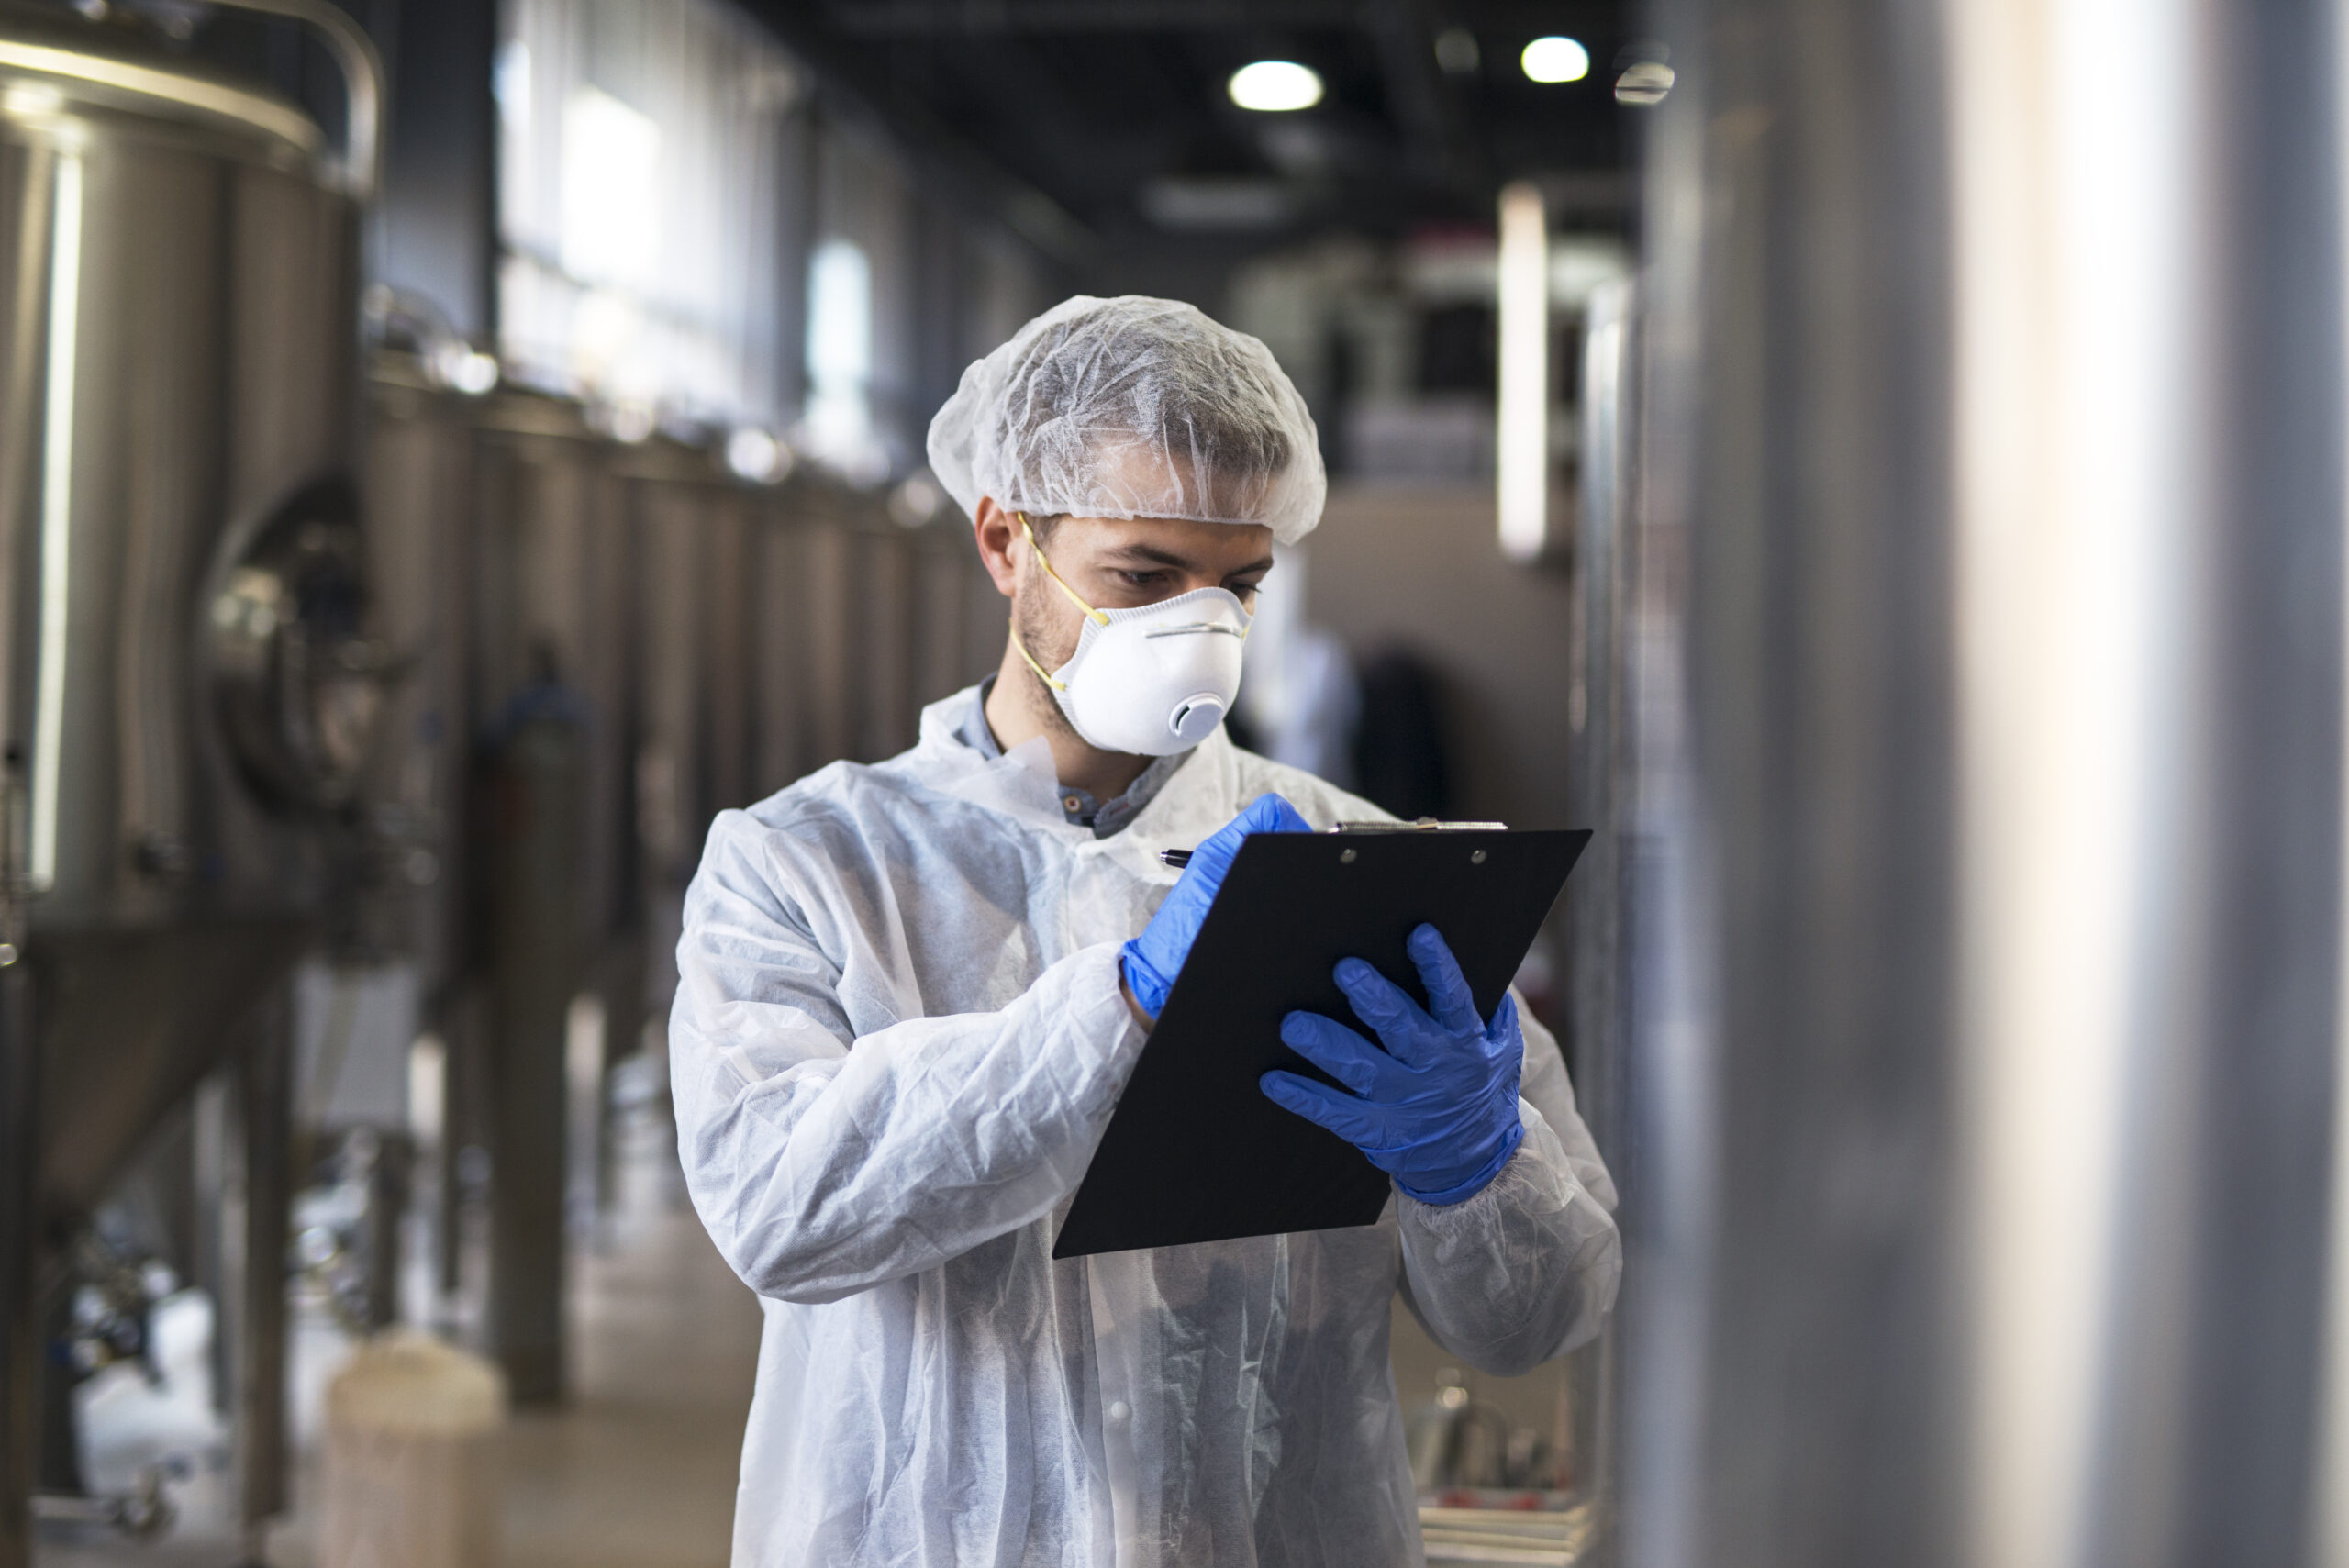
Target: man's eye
[[1143, 579]]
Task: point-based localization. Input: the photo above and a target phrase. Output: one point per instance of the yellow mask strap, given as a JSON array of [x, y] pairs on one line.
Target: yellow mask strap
[[1098, 617], [1056, 685]]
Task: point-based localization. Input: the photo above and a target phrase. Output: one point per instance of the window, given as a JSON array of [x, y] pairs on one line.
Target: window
[[641, 199], [839, 427]]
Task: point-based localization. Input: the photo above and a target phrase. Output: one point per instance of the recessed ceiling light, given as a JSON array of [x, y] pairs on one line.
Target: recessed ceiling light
[[1643, 85], [1555, 59], [1276, 86], [1456, 52]]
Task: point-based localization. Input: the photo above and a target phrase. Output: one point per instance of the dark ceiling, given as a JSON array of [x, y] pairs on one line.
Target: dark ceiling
[[1102, 129]]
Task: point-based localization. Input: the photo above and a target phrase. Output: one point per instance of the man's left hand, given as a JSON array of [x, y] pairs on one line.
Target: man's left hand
[[1436, 1110]]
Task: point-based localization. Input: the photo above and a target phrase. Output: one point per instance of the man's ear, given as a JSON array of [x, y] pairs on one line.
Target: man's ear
[[994, 530]]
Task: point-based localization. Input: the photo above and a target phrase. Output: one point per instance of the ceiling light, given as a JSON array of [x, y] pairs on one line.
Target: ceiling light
[[1522, 418], [1456, 52], [1273, 86], [1644, 85], [1555, 59]]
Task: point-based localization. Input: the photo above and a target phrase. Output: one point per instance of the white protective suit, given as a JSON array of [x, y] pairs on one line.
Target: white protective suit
[[897, 1037]]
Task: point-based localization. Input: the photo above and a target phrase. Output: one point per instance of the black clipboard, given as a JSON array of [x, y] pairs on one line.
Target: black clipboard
[[1194, 1152]]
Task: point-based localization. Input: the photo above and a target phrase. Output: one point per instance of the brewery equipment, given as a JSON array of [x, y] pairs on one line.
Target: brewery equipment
[[1983, 608], [185, 679], [708, 639]]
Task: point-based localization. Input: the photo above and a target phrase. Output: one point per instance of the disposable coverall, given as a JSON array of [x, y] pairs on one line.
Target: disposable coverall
[[898, 1035]]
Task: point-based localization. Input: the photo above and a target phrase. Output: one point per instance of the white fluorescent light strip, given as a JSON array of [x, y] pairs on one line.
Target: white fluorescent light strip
[[1276, 86], [56, 514], [1522, 452]]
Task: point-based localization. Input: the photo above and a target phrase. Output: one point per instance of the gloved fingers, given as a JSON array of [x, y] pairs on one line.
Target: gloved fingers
[[1265, 814], [1149, 987], [1272, 813], [1505, 1029], [1450, 1002], [1386, 1007], [1337, 1051], [1351, 1119]]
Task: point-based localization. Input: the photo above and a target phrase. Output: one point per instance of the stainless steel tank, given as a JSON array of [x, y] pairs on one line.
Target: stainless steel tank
[[186, 678], [1986, 622]]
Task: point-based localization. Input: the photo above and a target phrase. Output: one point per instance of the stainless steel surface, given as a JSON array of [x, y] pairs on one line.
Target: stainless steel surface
[[1987, 612], [1792, 1290], [189, 363], [719, 640], [1599, 712], [44, 49], [181, 687], [131, 1021], [362, 84], [92, 65], [881, 592], [262, 1194], [20, 1339], [2150, 491], [297, 684], [181, 343], [536, 965]]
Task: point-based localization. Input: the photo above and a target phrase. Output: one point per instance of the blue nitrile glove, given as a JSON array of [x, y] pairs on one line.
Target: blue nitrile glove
[[1437, 1109], [1153, 959]]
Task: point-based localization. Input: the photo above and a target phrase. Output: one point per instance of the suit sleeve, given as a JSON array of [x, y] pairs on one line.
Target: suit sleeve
[[823, 1162], [1527, 1269]]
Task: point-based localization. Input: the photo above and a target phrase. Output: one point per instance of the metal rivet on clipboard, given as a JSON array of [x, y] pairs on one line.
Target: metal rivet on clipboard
[[1178, 859]]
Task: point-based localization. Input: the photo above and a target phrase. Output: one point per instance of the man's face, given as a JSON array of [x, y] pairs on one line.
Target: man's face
[[1116, 563]]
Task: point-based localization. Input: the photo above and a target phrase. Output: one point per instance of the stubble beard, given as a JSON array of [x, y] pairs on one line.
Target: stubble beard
[[1050, 647]]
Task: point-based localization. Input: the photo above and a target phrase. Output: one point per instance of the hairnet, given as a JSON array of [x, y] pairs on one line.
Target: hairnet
[[1133, 408]]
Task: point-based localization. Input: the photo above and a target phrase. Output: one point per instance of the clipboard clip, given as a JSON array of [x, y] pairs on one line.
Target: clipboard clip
[[1178, 859]]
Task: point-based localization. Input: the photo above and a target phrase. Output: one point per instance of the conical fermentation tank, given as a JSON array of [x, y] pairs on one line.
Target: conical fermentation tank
[[183, 674], [184, 682]]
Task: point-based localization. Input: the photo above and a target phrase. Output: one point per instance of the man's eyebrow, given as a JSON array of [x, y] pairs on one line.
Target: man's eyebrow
[[1142, 553]]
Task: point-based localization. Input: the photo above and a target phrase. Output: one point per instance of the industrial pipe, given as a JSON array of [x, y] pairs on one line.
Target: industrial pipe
[[363, 82]]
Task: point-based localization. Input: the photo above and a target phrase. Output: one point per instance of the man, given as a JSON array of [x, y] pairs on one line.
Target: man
[[910, 993]]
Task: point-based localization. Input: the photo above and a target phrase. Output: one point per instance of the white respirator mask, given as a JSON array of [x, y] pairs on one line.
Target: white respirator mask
[[1153, 680]]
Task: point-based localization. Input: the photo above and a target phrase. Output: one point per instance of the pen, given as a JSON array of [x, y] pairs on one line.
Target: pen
[[1178, 859]]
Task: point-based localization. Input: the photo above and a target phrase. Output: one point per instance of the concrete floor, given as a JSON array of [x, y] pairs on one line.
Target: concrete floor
[[637, 1469]]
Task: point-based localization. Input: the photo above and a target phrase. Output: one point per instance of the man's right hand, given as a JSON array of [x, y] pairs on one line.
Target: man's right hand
[[1153, 960]]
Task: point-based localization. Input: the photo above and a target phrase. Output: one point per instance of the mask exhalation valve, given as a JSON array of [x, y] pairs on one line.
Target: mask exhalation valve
[[1195, 716]]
